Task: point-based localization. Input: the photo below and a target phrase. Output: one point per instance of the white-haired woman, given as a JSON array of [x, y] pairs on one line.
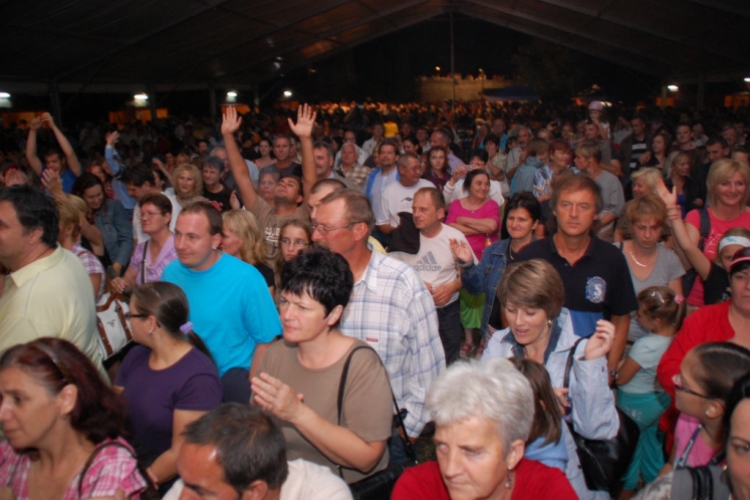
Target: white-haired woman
[[531, 294], [483, 415]]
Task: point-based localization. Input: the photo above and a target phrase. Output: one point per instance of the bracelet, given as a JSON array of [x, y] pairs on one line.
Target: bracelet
[[614, 374]]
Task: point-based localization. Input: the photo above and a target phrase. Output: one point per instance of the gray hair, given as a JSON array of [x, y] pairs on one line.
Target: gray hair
[[494, 389]]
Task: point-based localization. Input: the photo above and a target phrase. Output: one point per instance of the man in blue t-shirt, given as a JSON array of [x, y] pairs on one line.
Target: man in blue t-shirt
[[230, 306]]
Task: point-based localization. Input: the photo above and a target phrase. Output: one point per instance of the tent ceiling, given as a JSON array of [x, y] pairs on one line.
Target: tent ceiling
[[223, 42]]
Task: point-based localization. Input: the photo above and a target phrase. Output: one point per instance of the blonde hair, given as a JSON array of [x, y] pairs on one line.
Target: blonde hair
[[71, 210], [723, 169], [649, 175], [197, 187], [246, 227]]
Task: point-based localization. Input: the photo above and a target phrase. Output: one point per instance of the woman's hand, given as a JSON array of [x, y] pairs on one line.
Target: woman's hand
[[273, 395], [562, 399], [461, 251], [601, 341], [120, 285], [458, 173], [51, 180]]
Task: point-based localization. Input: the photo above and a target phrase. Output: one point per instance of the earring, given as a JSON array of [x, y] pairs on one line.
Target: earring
[[509, 480], [549, 322], [706, 412]]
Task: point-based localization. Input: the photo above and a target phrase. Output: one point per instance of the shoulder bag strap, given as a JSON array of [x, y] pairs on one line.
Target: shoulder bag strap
[[569, 363], [93, 456], [143, 263]]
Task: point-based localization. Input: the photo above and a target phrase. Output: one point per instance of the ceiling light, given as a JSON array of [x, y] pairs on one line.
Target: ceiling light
[[140, 97], [287, 93], [673, 88], [4, 95]]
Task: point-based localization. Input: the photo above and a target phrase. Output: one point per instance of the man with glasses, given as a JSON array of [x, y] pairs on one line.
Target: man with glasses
[[390, 308]]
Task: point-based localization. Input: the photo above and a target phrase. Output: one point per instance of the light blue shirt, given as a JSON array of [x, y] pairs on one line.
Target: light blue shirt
[[230, 307]]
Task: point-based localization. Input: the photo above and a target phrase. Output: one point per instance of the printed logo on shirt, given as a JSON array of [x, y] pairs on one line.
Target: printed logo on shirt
[[596, 289], [427, 263]]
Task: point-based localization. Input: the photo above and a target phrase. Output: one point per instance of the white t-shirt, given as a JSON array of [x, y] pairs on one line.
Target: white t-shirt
[[138, 233], [434, 262], [397, 198], [457, 192], [306, 481], [379, 184]]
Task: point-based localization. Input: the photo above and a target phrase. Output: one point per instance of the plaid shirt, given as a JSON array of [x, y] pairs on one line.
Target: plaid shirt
[[392, 310], [356, 173], [113, 469], [92, 266]]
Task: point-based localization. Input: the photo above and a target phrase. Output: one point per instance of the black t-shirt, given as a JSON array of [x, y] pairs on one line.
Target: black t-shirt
[[266, 272], [221, 198], [716, 285], [597, 286]]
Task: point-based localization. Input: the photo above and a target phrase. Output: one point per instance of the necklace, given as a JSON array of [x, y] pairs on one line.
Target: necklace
[[636, 260]]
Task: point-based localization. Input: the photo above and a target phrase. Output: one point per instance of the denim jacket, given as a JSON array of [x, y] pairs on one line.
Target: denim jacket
[[594, 415], [117, 231], [485, 276]]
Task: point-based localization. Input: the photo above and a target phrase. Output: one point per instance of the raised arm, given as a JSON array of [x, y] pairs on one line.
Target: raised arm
[[681, 233], [111, 156], [31, 156], [230, 123], [73, 164], [303, 130]]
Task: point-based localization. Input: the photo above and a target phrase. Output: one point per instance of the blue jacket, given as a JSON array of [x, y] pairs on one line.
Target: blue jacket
[[485, 277], [117, 230]]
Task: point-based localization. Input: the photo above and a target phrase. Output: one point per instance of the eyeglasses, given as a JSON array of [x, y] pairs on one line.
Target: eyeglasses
[[325, 230], [129, 316], [297, 243], [677, 381], [145, 215]]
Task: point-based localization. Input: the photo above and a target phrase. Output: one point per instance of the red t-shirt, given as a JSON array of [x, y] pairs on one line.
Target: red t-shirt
[[532, 480], [707, 324]]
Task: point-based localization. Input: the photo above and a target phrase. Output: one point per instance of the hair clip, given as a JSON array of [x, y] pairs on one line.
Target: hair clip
[[186, 328], [679, 299]]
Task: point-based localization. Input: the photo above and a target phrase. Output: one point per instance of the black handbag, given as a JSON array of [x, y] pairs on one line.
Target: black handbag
[[379, 485], [604, 461]]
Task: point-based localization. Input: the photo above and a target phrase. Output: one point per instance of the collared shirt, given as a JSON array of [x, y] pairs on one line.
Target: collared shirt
[[357, 174], [51, 297], [377, 181], [392, 310], [597, 286], [152, 269]]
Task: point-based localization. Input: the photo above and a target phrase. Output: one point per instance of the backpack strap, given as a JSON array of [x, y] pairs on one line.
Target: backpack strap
[[705, 228]]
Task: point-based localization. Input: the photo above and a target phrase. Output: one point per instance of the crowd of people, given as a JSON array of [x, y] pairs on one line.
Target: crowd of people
[[311, 290]]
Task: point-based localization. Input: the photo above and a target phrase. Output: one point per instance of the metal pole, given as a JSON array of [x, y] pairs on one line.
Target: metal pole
[[453, 70], [212, 100], [54, 97], [152, 102]]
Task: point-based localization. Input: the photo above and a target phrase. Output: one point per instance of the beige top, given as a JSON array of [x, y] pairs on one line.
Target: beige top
[[367, 407], [51, 297]]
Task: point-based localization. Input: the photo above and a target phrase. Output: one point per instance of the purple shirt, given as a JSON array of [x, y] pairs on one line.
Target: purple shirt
[[152, 396], [153, 269]]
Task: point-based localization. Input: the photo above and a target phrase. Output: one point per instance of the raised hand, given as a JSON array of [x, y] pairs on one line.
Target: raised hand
[[305, 121], [230, 122], [35, 124], [47, 118], [112, 138], [51, 181], [669, 197], [461, 251], [601, 341]]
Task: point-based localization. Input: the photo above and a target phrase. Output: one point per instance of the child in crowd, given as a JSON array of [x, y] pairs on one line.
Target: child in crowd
[[295, 236], [639, 394], [701, 388], [545, 443]]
